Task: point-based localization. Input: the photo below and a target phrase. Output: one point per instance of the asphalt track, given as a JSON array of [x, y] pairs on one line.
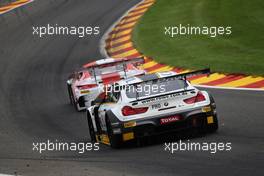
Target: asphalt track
[[34, 104]]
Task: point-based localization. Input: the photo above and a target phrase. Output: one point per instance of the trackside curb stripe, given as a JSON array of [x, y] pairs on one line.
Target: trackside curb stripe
[[14, 5]]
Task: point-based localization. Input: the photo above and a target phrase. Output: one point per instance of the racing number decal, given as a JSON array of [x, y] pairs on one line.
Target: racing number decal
[[156, 106]]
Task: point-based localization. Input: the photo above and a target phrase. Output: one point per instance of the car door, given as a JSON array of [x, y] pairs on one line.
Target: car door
[[109, 102]]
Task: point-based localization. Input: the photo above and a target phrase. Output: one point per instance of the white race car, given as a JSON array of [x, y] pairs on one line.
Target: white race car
[[149, 105], [87, 83]]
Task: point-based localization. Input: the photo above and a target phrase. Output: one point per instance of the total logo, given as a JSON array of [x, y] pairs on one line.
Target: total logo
[[170, 119]]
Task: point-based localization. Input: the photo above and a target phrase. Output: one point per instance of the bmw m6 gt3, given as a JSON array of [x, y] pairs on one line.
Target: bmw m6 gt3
[[126, 111]]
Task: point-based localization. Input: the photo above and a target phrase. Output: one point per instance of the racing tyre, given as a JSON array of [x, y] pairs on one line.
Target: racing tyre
[[115, 140], [91, 128], [77, 106], [211, 128], [70, 93]]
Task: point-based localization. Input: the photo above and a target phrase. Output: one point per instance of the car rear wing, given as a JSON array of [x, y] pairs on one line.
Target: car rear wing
[[135, 61], [92, 65], [123, 61], [187, 75], [183, 76]]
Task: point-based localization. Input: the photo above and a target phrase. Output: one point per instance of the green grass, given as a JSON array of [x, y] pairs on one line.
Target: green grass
[[240, 52]]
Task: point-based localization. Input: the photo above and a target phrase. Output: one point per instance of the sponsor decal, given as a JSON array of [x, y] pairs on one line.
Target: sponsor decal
[[163, 97], [206, 109], [130, 124], [171, 119], [85, 91]]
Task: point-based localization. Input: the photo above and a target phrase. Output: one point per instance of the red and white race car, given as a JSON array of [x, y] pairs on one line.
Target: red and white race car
[[87, 83]]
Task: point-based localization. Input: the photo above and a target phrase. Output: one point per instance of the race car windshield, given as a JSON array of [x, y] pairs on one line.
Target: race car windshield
[[110, 68], [154, 88]]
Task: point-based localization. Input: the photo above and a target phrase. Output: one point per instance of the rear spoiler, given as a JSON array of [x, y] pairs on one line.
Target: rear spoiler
[[187, 75], [183, 76], [140, 60], [124, 61]]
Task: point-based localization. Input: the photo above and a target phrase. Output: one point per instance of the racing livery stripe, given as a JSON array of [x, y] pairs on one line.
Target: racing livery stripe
[[13, 5], [111, 77], [119, 44]]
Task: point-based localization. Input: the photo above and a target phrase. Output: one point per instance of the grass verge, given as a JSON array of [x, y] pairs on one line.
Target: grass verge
[[240, 52]]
